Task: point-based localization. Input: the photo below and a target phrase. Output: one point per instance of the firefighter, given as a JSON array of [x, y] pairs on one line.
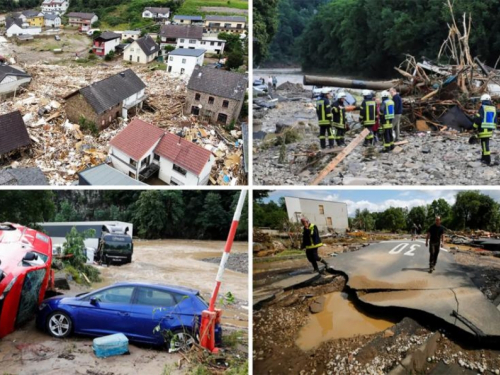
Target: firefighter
[[324, 112], [367, 115], [386, 114], [311, 242], [339, 119], [485, 122]]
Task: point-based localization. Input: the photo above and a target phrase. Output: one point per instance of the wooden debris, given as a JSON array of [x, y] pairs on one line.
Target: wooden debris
[[346, 151]]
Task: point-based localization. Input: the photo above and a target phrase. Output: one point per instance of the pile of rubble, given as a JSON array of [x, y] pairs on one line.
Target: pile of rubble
[[61, 149]]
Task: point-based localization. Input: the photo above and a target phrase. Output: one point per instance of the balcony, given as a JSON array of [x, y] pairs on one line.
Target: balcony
[[149, 171], [135, 102]]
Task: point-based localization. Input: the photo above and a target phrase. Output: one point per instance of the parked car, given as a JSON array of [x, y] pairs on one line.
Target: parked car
[[134, 309], [115, 244], [57, 37], [25, 274]]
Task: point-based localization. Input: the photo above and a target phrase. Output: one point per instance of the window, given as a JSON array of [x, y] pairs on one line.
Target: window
[[195, 110], [131, 174], [132, 162], [211, 100], [203, 43], [181, 170], [192, 41], [219, 43], [121, 294], [222, 118], [227, 25], [183, 70], [239, 26], [156, 297], [145, 161], [130, 57], [171, 58], [156, 157], [329, 221], [170, 69], [183, 61], [138, 58], [197, 97], [182, 40], [225, 103], [321, 210]]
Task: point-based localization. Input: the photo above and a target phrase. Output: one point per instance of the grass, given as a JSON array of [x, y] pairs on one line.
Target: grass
[[192, 7], [231, 340]]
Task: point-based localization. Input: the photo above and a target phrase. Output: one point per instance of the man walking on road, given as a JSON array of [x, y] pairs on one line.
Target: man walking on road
[[435, 234], [398, 110], [311, 242]]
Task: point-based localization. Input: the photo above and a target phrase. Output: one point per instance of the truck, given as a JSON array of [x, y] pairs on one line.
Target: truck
[[26, 276], [112, 241]]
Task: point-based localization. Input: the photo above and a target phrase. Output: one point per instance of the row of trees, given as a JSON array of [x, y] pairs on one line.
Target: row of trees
[[370, 37], [265, 25], [155, 213], [471, 210]]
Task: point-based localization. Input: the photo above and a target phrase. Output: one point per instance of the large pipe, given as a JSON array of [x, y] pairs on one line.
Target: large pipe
[[354, 83]]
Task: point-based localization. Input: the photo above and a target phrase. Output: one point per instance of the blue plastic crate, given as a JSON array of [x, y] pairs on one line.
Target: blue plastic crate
[[108, 346]]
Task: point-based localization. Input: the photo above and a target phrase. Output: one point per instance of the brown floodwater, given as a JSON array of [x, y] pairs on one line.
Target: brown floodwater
[[339, 319]]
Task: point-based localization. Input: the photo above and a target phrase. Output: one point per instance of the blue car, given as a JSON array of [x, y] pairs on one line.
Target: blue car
[[146, 313]]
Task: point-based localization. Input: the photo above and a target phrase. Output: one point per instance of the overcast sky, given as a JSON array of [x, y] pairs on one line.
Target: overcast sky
[[376, 200]]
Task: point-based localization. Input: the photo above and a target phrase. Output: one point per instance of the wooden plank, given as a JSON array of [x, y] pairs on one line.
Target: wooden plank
[[346, 151], [422, 126], [400, 143]]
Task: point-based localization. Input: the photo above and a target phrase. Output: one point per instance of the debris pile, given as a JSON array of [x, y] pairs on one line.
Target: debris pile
[[61, 149]]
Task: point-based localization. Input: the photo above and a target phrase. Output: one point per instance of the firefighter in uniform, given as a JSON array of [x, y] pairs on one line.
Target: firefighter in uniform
[[485, 122], [386, 116], [339, 119], [311, 242], [367, 115], [324, 112]]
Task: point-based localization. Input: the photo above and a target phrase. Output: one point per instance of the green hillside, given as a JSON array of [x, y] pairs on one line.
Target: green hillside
[[193, 7]]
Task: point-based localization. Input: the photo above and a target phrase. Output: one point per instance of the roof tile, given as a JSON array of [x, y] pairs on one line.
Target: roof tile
[[13, 131]]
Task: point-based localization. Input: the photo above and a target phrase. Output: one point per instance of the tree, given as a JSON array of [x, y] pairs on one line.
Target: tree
[[363, 220], [393, 219], [417, 216], [235, 60], [474, 210], [265, 24], [149, 215], [26, 207], [213, 217], [68, 212]]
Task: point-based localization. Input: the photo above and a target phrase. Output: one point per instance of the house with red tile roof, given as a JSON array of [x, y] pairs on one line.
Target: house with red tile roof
[[143, 150]]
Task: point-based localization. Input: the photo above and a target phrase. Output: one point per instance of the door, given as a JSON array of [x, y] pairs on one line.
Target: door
[[154, 308], [109, 315]]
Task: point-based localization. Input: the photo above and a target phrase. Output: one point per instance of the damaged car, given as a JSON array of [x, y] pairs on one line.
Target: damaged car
[[25, 274], [146, 313]]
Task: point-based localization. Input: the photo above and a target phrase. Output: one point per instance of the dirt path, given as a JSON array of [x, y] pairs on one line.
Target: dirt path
[[29, 351], [223, 10]]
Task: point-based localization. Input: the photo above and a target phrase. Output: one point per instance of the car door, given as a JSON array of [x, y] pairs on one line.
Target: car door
[[155, 307], [109, 314]]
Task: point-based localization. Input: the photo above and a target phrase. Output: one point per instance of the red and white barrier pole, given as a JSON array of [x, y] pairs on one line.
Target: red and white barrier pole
[[211, 316]]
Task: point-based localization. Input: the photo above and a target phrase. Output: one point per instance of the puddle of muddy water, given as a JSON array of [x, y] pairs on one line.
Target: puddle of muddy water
[[339, 319]]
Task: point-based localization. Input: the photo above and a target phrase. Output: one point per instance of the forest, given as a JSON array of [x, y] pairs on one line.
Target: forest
[[472, 210], [368, 38], [156, 214]]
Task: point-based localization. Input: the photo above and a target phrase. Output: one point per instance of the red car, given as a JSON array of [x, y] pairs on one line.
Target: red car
[[25, 274]]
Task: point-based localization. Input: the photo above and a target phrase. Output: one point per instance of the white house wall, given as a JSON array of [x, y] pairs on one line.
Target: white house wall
[[167, 172], [121, 161], [9, 86], [201, 44], [189, 65], [16, 30], [133, 98]]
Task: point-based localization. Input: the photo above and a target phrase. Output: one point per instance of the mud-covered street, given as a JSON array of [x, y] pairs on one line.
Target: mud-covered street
[[175, 262], [346, 336]]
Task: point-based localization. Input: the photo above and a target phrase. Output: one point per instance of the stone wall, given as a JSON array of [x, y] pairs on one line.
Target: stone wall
[[232, 111]]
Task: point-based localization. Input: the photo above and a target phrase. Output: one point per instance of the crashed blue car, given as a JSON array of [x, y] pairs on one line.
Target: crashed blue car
[[146, 313]]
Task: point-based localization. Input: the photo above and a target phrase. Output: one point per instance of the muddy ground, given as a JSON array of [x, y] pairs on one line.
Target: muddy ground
[[429, 158], [409, 345], [29, 351]]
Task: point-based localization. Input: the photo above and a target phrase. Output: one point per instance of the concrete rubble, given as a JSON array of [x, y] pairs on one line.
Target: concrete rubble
[[60, 148]]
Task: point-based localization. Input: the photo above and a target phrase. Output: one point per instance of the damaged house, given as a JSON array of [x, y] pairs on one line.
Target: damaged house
[[143, 150], [15, 137], [102, 102], [105, 43], [11, 79], [216, 95]]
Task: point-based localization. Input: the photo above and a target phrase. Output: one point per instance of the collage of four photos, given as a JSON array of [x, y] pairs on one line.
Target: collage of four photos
[[249, 187]]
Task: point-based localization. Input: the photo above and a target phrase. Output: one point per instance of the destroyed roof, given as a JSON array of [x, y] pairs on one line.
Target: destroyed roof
[[137, 138], [30, 13], [111, 91], [6, 70], [11, 21], [50, 16], [13, 131], [105, 175], [23, 176], [187, 52], [190, 18], [148, 45], [183, 153], [157, 10], [83, 16], [180, 31], [108, 35], [218, 82], [226, 18]]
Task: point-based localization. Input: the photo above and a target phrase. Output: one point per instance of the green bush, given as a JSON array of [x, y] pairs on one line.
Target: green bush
[[88, 126]]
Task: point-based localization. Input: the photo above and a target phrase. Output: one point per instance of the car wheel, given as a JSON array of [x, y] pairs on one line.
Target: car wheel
[[59, 324], [129, 259], [181, 341]]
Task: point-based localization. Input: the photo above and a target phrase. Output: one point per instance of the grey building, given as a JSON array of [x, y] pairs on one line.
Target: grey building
[[327, 215]]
